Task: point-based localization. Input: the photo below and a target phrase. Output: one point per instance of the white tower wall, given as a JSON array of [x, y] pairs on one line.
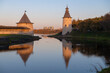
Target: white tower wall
[[67, 22]]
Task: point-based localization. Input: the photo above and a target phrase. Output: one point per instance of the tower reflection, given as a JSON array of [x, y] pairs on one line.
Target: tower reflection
[[87, 49], [24, 50], [67, 50]]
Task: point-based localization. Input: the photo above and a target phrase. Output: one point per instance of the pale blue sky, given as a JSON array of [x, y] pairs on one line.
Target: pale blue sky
[[50, 12]]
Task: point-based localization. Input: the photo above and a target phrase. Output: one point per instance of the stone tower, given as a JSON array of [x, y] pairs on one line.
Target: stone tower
[[67, 22], [25, 22]]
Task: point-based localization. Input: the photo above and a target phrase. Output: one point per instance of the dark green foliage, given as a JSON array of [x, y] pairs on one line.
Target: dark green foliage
[[94, 25], [107, 70]]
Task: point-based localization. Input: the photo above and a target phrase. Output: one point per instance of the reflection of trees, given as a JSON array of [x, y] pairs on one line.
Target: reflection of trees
[[87, 49], [97, 50]]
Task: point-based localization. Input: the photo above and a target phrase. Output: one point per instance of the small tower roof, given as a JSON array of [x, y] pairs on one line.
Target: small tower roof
[[25, 19], [67, 14], [24, 57]]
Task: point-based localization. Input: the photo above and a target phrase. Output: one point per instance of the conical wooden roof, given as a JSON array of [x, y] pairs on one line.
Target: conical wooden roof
[[25, 19], [67, 14]]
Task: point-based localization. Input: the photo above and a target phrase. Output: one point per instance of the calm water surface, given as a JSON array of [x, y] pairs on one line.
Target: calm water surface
[[49, 55]]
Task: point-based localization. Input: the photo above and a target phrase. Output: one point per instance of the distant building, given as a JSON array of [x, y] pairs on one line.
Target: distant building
[[24, 26], [49, 28], [45, 28], [67, 22]]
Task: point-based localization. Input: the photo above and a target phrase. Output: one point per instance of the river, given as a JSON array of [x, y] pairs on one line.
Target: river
[[50, 55]]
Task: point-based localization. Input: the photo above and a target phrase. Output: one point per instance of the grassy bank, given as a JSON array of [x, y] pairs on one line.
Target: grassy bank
[[90, 34], [99, 36], [16, 39], [103, 37], [107, 70]]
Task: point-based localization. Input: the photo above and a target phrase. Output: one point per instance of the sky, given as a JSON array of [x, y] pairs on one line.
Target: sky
[[50, 12]]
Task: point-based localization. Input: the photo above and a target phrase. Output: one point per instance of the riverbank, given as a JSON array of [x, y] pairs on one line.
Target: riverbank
[[7, 39], [99, 40], [107, 70], [103, 37]]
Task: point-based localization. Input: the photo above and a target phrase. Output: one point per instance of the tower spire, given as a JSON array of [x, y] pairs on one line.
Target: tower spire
[[25, 18], [67, 6], [67, 14], [25, 11]]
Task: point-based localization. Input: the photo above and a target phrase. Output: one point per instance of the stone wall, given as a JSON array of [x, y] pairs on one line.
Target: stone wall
[[16, 31]]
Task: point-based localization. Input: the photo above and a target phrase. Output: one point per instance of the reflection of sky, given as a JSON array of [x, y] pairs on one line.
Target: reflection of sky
[[48, 58], [50, 12]]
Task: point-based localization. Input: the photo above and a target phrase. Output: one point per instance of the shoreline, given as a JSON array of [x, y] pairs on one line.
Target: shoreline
[[11, 39], [100, 37], [106, 70]]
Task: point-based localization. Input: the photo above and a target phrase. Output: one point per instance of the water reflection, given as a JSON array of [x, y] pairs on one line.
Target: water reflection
[[54, 56], [24, 50], [25, 53], [67, 50], [87, 49]]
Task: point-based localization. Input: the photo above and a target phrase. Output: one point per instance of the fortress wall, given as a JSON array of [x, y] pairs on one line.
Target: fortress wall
[[16, 31]]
